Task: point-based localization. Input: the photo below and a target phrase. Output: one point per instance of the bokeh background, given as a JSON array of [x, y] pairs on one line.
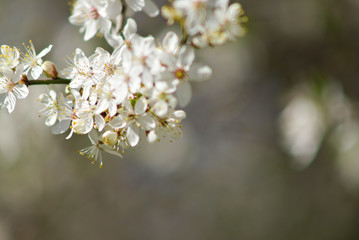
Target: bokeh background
[[270, 147]]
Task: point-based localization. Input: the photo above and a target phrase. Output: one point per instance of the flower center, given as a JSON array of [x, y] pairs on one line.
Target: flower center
[[94, 13], [10, 86], [180, 74]]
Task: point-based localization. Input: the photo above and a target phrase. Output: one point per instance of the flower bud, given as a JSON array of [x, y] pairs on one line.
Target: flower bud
[[49, 69], [110, 138]]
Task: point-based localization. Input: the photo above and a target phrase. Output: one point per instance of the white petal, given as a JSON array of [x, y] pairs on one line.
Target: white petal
[[152, 136], [136, 5], [114, 40], [113, 152], [105, 24], [76, 82], [61, 127], [194, 22], [184, 93], [118, 122], [91, 29], [100, 122], [199, 72], [135, 84], [112, 108], [19, 71], [233, 11], [160, 108], [129, 29], [52, 94], [151, 9], [168, 60], [51, 119], [21, 91], [36, 72], [133, 135], [179, 114], [10, 102], [70, 134], [3, 97], [140, 106], [44, 52], [86, 90], [147, 79], [102, 106], [7, 72], [121, 92], [80, 58], [127, 104], [186, 56], [147, 122], [170, 42], [93, 136]]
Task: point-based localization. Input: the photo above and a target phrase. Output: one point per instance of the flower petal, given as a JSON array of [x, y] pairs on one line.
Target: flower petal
[[141, 106], [61, 127], [100, 122], [90, 30], [147, 122], [199, 72], [51, 119], [136, 5], [44, 52], [184, 93], [10, 102], [36, 72], [151, 9], [186, 56], [21, 91], [129, 29], [170, 42], [133, 135], [152, 136], [102, 106], [118, 122]]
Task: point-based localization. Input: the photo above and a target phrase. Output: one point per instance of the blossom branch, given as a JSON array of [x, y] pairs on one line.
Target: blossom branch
[[48, 82], [116, 98]]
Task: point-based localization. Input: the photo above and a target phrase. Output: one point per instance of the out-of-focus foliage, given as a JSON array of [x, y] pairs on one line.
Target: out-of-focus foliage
[[232, 175]]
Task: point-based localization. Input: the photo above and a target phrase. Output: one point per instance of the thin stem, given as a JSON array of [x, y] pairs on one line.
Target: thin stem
[[123, 13], [124, 8], [48, 82], [184, 35]]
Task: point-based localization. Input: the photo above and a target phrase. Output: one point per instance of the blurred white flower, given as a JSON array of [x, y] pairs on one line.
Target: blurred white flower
[[302, 125]]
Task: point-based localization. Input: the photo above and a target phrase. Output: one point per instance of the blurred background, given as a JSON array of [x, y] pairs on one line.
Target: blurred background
[[270, 147]]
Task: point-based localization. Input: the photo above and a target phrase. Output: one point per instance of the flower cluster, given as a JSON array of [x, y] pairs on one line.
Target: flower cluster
[[116, 98], [130, 93], [105, 17], [14, 72], [207, 22]]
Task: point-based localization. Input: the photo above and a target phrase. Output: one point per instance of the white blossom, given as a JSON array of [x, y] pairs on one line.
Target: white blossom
[[10, 88], [33, 62], [9, 57], [94, 152], [92, 16]]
